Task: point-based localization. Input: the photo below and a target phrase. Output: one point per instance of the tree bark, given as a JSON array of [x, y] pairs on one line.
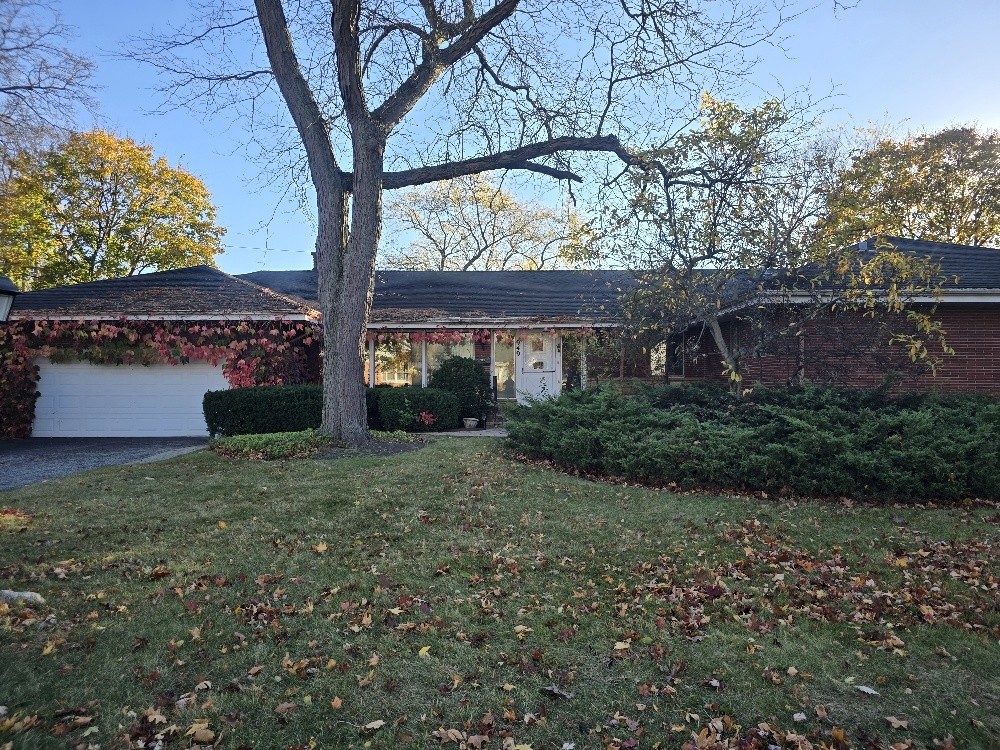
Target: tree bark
[[732, 363]]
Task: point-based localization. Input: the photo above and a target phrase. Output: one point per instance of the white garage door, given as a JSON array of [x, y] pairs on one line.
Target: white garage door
[[84, 400]]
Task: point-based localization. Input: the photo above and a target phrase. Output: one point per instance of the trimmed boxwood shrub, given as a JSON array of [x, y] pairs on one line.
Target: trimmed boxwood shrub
[[417, 409], [828, 442], [294, 408], [253, 411], [467, 379]]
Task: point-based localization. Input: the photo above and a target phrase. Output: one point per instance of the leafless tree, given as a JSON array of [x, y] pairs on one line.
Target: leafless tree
[[385, 94], [41, 82]]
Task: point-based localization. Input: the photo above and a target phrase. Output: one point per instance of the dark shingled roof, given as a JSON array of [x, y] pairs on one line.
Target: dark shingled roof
[[190, 292], [413, 296], [545, 295], [976, 267]]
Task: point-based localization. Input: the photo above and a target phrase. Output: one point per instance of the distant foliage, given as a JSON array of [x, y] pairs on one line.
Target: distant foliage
[[251, 411], [96, 206], [809, 441], [467, 379], [401, 409]]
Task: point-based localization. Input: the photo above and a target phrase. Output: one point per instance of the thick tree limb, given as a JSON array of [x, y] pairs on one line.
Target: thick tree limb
[[344, 24], [302, 104], [437, 61], [517, 158]]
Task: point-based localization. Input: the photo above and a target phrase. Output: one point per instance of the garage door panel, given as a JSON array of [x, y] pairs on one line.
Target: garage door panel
[[79, 399]]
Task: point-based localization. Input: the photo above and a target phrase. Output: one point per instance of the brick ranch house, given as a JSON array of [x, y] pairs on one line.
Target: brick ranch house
[[841, 350], [134, 356]]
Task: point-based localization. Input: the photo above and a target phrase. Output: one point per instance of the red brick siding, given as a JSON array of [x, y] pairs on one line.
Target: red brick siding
[[972, 330]]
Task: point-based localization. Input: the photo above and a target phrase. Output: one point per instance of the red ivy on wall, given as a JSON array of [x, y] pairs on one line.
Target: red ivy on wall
[[250, 352]]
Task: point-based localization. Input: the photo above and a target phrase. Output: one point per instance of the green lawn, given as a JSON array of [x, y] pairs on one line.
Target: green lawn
[[451, 595]]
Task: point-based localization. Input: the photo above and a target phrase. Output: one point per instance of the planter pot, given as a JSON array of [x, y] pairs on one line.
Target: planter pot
[[471, 423]]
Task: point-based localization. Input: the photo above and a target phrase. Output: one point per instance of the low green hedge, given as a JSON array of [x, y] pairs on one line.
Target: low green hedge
[[417, 409], [808, 441], [266, 409], [293, 408]]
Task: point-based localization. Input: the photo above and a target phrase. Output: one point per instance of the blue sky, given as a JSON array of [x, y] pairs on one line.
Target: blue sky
[[915, 64]]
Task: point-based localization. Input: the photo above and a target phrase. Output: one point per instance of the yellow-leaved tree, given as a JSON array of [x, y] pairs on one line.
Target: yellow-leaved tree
[[96, 206]]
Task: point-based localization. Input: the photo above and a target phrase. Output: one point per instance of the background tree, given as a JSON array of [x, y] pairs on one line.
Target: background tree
[[943, 187], [386, 96], [96, 206], [725, 223], [472, 224], [41, 81]]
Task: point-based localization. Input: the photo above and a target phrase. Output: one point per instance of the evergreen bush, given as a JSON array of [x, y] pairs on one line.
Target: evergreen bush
[[467, 379], [265, 409], [828, 442], [418, 409]]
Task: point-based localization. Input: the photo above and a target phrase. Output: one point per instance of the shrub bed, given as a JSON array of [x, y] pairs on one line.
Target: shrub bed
[[294, 408], [417, 409], [267, 409], [271, 446], [812, 441]]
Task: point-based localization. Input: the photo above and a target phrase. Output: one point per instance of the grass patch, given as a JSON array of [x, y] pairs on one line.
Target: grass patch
[[270, 446], [393, 436], [452, 594]]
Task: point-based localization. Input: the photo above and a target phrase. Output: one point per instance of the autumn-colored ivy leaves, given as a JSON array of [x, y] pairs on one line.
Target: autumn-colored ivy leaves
[[250, 352]]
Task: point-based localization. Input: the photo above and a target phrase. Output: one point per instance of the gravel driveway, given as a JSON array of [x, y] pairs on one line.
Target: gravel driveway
[[37, 459]]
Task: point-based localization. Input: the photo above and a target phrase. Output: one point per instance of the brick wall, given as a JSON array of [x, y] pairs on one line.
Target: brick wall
[[827, 353]]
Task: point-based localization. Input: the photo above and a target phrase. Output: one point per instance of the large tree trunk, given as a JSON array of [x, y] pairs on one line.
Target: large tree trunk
[[346, 264]]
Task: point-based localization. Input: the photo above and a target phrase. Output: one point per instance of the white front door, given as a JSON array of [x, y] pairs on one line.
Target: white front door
[[538, 365], [79, 399]]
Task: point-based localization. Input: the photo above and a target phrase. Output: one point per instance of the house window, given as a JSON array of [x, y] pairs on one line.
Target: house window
[[666, 359], [438, 353], [397, 362], [503, 365]]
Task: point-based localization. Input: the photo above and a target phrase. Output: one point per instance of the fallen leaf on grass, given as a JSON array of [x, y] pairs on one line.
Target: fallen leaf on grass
[[424, 651], [555, 692], [336, 703], [374, 726], [867, 690], [897, 723], [285, 708]]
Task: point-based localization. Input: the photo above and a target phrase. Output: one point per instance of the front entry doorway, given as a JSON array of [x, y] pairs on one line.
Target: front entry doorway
[[538, 362]]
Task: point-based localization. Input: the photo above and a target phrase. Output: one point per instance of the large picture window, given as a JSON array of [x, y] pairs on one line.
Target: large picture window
[[438, 353], [397, 362]]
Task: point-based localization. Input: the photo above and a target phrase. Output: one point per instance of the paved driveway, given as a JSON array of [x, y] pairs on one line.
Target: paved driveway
[[37, 459]]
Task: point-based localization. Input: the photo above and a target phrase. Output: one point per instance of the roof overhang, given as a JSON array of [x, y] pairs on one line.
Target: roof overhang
[[230, 316], [496, 323]]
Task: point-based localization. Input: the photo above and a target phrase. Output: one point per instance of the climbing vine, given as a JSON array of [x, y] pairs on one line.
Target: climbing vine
[[250, 352]]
